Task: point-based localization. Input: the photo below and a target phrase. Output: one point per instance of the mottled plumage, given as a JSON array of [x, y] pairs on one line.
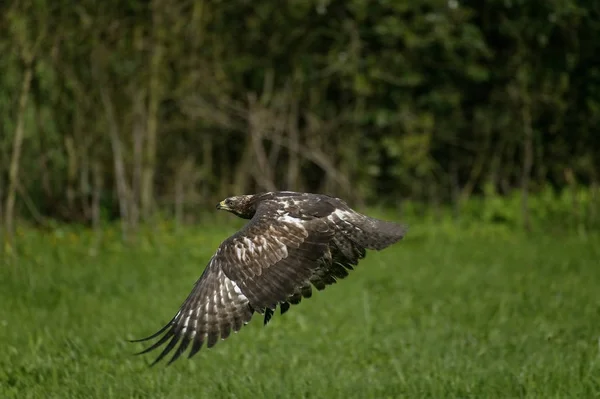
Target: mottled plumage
[[292, 242]]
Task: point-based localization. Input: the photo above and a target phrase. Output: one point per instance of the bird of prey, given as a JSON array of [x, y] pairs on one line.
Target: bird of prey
[[292, 241]]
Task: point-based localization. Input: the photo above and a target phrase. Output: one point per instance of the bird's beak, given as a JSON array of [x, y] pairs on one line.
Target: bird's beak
[[221, 205]]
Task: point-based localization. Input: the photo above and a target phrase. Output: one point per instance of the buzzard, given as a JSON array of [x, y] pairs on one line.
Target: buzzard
[[292, 242]]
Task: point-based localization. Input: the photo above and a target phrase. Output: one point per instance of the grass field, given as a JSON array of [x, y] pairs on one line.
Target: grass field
[[444, 314]]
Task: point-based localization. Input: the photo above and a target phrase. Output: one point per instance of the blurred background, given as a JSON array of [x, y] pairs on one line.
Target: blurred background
[[477, 122], [484, 110]]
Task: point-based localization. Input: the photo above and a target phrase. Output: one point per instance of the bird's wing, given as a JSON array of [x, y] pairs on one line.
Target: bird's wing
[[276, 254], [262, 265], [365, 231], [215, 307], [354, 233]]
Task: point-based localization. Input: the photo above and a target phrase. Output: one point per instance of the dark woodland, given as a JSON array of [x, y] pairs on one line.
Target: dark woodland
[[125, 110]]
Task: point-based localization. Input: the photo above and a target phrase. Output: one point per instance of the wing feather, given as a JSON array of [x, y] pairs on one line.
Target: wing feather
[[214, 307], [365, 231], [259, 267], [284, 250]]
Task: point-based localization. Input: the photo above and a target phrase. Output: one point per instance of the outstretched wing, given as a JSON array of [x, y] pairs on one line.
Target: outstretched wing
[[262, 265], [275, 256], [215, 307], [354, 233]]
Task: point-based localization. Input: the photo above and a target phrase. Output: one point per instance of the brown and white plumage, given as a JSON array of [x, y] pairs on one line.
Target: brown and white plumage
[[292, 242]]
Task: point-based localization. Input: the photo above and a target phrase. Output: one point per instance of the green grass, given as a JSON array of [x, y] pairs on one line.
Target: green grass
[[445, 313]]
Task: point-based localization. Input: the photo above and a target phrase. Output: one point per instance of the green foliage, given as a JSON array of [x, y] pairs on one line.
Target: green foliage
[[463, 312], [423, 100], [575, 210]]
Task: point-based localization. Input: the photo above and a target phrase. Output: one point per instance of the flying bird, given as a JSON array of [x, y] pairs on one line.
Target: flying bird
[[293, 241]]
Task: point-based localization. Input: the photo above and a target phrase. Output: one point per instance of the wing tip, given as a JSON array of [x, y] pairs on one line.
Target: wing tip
[[268, 315], [156, 334], [184, 342]]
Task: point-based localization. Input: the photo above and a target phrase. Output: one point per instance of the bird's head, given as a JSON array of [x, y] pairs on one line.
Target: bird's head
[[243, 206]]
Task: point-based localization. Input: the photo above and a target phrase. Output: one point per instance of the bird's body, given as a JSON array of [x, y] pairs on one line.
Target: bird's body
[[292, 242]]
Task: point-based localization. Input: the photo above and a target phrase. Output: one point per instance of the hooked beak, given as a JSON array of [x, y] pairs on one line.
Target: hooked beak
[[221, 205]]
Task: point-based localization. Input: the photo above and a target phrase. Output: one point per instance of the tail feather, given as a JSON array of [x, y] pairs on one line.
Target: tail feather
[[373, 233]]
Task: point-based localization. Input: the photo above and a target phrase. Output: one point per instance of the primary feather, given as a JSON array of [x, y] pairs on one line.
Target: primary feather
[[292, 242]]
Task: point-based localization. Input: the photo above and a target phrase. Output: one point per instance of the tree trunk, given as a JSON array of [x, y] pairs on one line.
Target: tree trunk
[[262, 172], [242, 172], [71, 173], [434, 201], [138, 151], [572, 187], [479, 164], [30, 205], [96, 209], [294, 140], [592, 219], [118, 162], [1, 211], [594, 203], [179, 199], [44, 165], [154, 96], [84, 184], [207, 166], [13, 173], [527, 160], [455, 186]]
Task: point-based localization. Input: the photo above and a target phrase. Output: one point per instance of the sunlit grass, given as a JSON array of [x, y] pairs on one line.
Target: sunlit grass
[[445, 313]]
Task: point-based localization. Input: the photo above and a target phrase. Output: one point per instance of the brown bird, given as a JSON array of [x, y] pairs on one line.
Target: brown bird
[[293, 241]]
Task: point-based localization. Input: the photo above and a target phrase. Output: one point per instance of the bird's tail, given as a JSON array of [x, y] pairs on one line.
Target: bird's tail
[[374, 233]]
